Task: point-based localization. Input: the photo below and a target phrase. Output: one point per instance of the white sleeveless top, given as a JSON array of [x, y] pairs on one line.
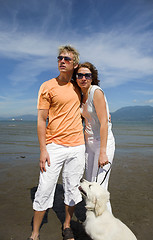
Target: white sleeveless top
[[92, 124]]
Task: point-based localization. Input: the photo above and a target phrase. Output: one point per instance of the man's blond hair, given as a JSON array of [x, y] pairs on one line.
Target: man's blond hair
[[68, 48]]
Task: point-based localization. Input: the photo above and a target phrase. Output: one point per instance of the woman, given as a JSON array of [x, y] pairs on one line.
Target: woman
[[100, 143]]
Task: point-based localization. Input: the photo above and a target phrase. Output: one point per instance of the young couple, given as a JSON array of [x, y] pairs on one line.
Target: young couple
[[62, 142]]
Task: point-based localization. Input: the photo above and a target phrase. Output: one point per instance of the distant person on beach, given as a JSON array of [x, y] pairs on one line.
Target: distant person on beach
[[61, 142], [100, 143]]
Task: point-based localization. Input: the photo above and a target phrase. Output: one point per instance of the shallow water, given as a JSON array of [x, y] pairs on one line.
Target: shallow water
[[134, 139], [18, 140]]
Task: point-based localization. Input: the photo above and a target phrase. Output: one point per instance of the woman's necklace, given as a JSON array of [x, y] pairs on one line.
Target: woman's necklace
[[85, 96], [89, 89]]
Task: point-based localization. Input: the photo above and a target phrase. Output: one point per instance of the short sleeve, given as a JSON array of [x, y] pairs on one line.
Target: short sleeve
[[44, 98]]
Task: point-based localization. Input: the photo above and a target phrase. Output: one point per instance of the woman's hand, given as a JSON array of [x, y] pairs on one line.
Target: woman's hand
[[103, 159]]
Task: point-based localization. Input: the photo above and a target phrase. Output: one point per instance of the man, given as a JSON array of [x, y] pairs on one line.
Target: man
[[62, 142]]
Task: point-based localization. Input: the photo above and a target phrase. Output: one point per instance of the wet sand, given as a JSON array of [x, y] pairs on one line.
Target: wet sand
[[131, 188]]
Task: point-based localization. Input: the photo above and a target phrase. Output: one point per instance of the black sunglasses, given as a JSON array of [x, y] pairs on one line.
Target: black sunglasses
[[66, 59], [87, 75]]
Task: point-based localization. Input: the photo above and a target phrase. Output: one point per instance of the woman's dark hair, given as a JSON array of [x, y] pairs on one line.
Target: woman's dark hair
[[92, 68]]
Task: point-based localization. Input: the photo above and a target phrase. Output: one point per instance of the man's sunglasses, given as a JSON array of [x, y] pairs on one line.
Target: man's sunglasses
[[66, 59], [87, 75]]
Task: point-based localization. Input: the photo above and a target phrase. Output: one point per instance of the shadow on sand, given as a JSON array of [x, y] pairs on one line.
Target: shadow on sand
[[59, 209]]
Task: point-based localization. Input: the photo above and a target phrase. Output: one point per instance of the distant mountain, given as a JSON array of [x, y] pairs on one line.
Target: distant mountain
[[27, 117], [136, 113]]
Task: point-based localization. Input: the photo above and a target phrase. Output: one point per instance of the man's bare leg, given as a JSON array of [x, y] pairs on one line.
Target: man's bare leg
[[37, 220], [68, 216]]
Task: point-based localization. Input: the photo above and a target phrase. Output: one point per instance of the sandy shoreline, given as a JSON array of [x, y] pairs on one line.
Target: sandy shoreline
[[131, 191]]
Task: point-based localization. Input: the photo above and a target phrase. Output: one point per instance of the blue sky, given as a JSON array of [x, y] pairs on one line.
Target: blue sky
[[115, 35]]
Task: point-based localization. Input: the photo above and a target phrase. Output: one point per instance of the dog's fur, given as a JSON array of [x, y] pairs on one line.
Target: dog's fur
[[100, 224]]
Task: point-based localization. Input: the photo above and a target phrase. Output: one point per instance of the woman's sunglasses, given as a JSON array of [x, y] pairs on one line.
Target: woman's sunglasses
[[87, 75], [66, 59]]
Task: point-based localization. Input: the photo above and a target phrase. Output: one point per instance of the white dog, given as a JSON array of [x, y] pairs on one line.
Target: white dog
[[100, 224]]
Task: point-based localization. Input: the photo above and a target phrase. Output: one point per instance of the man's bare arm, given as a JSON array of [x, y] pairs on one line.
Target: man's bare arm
[[41, 131]]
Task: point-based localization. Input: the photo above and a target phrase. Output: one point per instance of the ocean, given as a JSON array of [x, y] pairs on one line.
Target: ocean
[[134, 139], [19, 142], [130, 183]]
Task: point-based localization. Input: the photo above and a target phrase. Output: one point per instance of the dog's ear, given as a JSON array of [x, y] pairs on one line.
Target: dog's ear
[[100, 204], [90, 204]]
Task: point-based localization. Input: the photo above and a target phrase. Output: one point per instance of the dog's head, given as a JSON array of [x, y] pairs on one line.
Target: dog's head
[[96, 196]]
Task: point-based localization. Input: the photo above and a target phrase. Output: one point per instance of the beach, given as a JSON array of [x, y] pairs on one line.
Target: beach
[[130, 187]]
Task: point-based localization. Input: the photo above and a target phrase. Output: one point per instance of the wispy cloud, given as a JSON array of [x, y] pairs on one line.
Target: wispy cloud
[[122, 53], [11, 106], [121, 50], [144, 92], [150, 101], [110, 52]]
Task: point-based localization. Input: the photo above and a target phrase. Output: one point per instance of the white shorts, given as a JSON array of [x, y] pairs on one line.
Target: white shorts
[[73, 159]]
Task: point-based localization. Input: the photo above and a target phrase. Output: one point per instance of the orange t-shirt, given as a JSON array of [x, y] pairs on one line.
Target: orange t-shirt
[[63, 102]]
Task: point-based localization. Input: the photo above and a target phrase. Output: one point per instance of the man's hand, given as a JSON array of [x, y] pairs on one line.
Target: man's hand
[[44, 157]]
